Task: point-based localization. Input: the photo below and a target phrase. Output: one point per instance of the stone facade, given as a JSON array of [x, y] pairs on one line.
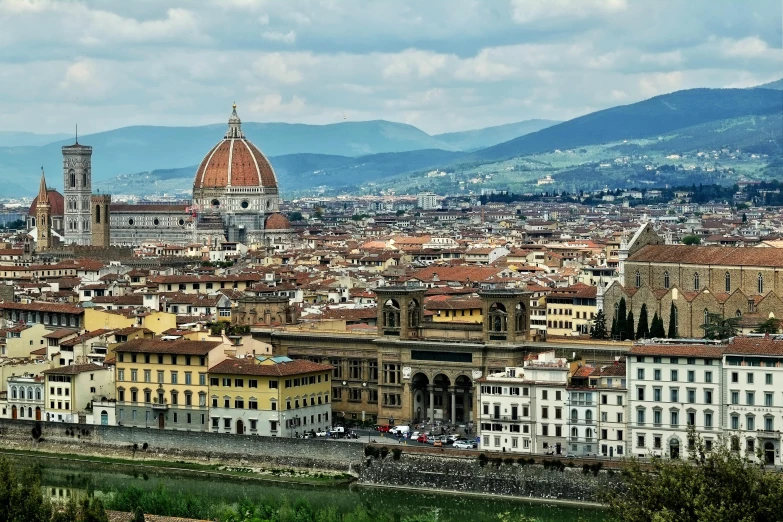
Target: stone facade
[[101, 231], [77, 180], [728, 281]]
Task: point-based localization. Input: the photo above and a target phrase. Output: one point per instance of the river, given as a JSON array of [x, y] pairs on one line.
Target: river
[[64, 478]]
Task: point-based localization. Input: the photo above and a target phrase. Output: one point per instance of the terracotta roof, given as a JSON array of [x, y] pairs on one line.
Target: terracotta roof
[[754, 346], [74, 369], [130, 299], [679, 350], [60, 333], [84, 337], [613, 370], [56, 200], [277, 221], [184, 347], [250, 367], [42, 307], [708, 255], [235, 162]]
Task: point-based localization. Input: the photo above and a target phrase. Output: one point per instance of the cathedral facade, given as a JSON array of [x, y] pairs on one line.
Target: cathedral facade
[[235, 198]]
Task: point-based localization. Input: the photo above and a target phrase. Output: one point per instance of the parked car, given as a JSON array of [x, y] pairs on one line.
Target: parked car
[[422, 438], [415, 435], [464, 444], [321, 433], [451, 439], [383, 428]]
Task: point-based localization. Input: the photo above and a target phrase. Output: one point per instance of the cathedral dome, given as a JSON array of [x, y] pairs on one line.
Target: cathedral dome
[[277, 221], [56, 200], [235, 162]]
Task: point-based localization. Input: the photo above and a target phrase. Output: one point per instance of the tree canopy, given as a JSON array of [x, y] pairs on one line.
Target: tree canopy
[[691, 239], [717, 485], [719, 327]]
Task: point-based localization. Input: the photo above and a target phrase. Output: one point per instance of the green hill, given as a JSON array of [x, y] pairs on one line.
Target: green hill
[[778, 84], [657, 116]]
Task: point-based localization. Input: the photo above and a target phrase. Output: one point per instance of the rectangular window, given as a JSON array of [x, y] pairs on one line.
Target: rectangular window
[[544, 412], [691, 396], [768, 399], [272, 385], [252, 383], [708, 396], [640, 441], [750, 398], [640, 374], [640, 393], [134, 375], [750, 378], [174, 377], [751, 422], [675, 395], [657, 417], [675, 418], [707, 420], [160, 376], [674, 375], [735, 397], [768, 378], [147, 376], [657, 374], [657, 394], [708, 376], [214, 381], [120, 375], [188, 378], [691, 376], [734, 377], [239, 383], [734, 422], [202, 379], [640, 417]]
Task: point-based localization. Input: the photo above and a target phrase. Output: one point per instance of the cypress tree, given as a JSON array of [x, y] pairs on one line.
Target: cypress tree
[[614, 329], [629, 326], [643, 330], [622, 317], [656, 330], [672, 323]]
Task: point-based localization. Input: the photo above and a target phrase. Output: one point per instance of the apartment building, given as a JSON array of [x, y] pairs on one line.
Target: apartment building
[[272, 396], [163, 384], [672, 387], [70, 390], [609, 383]]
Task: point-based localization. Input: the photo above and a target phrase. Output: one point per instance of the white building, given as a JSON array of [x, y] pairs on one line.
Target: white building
[[25, 397], [427, 201], [672, 387]]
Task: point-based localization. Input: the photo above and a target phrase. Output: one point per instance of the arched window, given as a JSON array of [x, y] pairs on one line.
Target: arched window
[[30, 393], [13, 392], [727, 277], [589, 416], [738, 314], [38, 394], [666, 279], [616, 308], [574, 414], [638, 279], [84, 179], [761, 283], [574, 432], [72, 178], [589, 433], [696, 285], [706, 317], [97, 213]]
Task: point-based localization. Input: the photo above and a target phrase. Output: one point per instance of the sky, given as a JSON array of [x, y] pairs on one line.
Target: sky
[[441, 65]]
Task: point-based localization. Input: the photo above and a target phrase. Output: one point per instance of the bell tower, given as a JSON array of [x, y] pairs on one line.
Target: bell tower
[[77, 182], [101, 231], [43, 217]]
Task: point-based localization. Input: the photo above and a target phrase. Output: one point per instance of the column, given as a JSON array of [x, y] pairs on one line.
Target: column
[[453, 393], [431, 409]]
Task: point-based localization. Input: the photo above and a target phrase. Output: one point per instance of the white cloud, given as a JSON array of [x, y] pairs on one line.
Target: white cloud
[[274, 104], [532, 11], [275, 36], [412, 63]]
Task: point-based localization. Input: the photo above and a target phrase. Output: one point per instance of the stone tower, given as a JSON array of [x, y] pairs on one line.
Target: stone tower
[[77, 174], [43, 217], [101, 232]]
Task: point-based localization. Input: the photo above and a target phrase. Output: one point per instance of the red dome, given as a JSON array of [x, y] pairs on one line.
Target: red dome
[[277, 221], [235, 162], [56, 200]]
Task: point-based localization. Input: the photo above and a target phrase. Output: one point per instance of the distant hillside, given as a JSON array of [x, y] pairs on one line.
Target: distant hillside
[[141, 148], [295, 172], [480, 138], [772, 85], [650, 118], [25, 139]]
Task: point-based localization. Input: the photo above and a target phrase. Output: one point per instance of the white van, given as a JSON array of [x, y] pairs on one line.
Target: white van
[[399, 430]]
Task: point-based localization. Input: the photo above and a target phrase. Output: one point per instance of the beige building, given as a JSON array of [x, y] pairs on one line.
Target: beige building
[[70, 390]]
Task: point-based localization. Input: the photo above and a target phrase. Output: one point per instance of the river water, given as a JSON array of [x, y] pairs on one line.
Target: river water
[[62, 479]]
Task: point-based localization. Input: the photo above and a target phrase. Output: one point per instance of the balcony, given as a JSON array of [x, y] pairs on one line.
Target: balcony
[[768, 434], [160, 403]]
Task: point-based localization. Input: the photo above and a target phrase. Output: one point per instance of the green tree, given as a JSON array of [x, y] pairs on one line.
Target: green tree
[[622, 318], [691, 239], [629, 325], [138, 515], [770, 326], [598, 330], [744, 217], [400, 212], [719, 327], [643, 329], [656, 329], [21, 497], [717, 485], [295, 216], [613, 333], [672, 334]]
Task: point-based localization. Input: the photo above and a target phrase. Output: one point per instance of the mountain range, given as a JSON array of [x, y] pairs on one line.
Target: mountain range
[[350, 155]]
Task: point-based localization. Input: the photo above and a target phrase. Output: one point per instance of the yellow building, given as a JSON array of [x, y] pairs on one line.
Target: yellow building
[[272, 396], [455, 310], [571, 310], [154, 321], [23, 339], [163, 384]]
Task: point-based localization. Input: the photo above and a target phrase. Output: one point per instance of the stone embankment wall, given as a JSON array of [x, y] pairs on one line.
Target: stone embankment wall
[[188, 446], [465, 474]]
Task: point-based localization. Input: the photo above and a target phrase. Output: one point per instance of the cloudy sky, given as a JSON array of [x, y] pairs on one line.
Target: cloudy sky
[[441, 65]]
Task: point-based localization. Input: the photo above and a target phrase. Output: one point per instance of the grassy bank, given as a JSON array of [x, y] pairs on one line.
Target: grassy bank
[[272, 474]]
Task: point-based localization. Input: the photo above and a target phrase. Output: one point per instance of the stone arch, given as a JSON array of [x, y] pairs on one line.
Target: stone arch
[[498, 317], [391, 313]]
